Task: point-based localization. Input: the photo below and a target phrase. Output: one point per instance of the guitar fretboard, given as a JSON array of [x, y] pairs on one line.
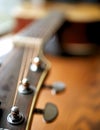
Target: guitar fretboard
[[41, 30]]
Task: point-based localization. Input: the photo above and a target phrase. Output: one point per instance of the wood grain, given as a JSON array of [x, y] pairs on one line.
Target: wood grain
[[8, 80], [8, 88], [79, 104]]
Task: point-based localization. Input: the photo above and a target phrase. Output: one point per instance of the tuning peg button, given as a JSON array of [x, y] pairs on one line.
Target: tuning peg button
[[50, 112], [56, 87], [37, 64]]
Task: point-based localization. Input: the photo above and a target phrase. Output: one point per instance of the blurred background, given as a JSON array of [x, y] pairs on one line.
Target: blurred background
[[78, 35]]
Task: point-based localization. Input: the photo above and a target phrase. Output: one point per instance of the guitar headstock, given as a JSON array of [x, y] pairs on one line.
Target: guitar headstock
[[24, 74]]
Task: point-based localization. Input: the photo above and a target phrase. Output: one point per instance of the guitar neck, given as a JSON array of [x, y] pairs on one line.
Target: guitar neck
[[35, 34], [39, 32]]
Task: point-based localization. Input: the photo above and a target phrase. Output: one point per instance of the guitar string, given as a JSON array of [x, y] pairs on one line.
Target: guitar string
[[21, 72], [36, 45], [41, 35], [29, 58], [28, 55]]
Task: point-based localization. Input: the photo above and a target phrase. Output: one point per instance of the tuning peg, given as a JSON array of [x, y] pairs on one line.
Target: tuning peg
[[56, 87], [37, 64], [15, 117], [25, 87], [50, 112]]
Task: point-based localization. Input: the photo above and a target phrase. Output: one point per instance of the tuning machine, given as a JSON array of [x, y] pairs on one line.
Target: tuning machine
[[15, 117], [56, 87], [37, 64], [50, 112], [25, 87]]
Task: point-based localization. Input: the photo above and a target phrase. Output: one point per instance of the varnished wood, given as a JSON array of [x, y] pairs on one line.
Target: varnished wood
[[8, 79], [26, 103], [8, 87], [79, 104]]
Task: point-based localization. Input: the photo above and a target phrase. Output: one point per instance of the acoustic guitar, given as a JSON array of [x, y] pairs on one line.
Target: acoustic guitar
[[74, 101]]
